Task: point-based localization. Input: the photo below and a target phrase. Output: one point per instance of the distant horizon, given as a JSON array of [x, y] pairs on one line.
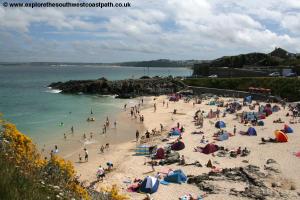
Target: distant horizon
[[121, 62]]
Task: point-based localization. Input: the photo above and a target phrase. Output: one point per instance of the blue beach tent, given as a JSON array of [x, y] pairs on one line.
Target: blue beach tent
[[223, 137], [251, 131], [288, 129], [220, 124]]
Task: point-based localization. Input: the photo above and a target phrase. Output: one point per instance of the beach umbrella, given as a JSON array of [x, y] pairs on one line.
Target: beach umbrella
[[281, 136], [220, 124]]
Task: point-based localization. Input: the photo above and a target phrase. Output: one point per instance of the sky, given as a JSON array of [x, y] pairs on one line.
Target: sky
[[148, 30]]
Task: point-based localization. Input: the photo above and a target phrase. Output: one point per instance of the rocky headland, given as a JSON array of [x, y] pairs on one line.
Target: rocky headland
[[129, 88]]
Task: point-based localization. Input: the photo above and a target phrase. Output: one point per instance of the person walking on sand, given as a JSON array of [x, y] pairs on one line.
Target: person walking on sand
[[80, 158], [234, 130], [84, 136], [154, 107], [161, 127], [72, 129], [86, 155], [125, 105], [65, 137], [91, 135], [137, 135], [115, 124]]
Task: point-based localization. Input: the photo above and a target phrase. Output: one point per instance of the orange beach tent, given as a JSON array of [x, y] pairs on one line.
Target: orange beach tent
[[281, 136]]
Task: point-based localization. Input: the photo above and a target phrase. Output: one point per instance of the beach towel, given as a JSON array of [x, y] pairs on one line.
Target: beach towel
[[164, 182]]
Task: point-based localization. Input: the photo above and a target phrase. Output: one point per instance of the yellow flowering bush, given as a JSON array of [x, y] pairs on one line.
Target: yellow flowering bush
[[114, 193], [19, 151]]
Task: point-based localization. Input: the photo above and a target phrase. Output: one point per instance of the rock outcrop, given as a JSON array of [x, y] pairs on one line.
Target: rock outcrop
[[122, 88]]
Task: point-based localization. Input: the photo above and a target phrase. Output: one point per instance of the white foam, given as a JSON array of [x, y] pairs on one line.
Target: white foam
[[54, 91]]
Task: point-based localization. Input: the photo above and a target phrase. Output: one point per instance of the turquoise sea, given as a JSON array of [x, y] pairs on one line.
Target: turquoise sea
[[37, 110]]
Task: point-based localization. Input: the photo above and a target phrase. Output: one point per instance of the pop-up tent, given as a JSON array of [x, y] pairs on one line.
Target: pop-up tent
[[223, 136], [149, 185], [210, 148], [160, 153], [176, 177], [280, 136], [220, 124], [288, 129], [251, 131], [177, 146]]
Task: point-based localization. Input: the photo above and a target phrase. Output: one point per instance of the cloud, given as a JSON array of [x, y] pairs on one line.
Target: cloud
[[150, 29]]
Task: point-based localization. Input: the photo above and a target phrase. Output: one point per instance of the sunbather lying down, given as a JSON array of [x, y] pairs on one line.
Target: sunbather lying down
[[196, 163], [198, 132], [273, 140], [278, 121]]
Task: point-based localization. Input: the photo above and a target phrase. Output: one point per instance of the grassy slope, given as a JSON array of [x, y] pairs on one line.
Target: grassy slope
[[284, 87]]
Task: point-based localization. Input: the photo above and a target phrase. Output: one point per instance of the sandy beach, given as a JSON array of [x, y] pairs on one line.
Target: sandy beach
[[127, 166]]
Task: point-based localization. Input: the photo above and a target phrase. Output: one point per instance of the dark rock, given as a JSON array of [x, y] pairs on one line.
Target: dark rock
[[123, 88]]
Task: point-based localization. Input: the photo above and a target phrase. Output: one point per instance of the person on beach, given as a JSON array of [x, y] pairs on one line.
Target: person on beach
[[107, 146], [147, 134], [161, 127], [182, 160], [137, 135], [234, 130], [154, 107], [91, 135], [142, 101], [65, 137], [91, 111], [80, 158], [115, 124], [102, 149], [72, 129], [178, 125], [167, 104], [163, 103], [100, 173], [125, 105], [84, 136], [51, 153], [56, 149], [109, 166], [86, 155]]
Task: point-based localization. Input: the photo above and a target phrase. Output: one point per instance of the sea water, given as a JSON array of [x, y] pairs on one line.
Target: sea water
[[39, 111]]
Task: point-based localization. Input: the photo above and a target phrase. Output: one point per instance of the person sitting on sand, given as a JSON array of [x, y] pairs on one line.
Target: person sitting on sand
[[182, 160], [102, 149], [238, 151], [109, 166], [245, 152], [147, 134], [100, 173]]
